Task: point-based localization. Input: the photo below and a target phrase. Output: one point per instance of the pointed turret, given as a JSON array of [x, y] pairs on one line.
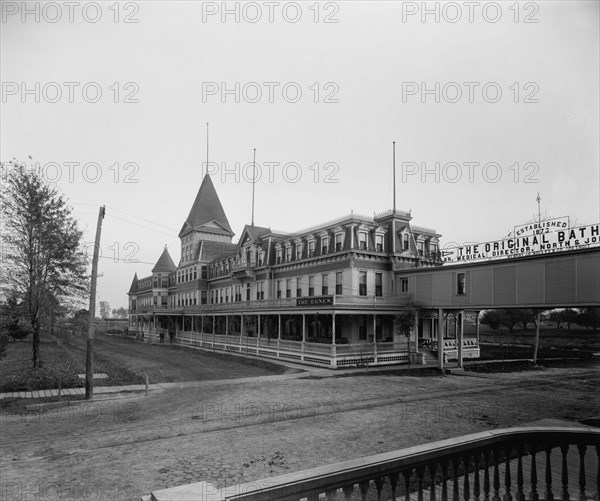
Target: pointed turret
[[133, 288], [164, 263], [207, 212]]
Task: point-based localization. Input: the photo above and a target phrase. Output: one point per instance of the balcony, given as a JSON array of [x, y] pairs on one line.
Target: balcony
[[517, 463], [339, 302], [239, 271]]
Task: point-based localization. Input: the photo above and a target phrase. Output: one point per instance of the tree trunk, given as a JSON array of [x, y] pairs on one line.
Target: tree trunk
[[537, 338], [36, 345]]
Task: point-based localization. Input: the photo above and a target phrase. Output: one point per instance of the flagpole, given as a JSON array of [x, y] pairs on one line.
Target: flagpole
[[207, 147], [253, 183], [394, 169]]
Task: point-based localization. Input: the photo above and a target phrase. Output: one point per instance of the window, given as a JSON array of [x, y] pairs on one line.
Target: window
[[362, 283], [362, 327], [248, 256], [461, 284], [379, 284], [433, 249], [362, 240], [421, 247], [311, 286], [405, 241], [378, 328], [202, 297], [247, 292], [338, 283], [311, 248], [298, 287], [260, 293], [404, 285], [338, 242], [324, 245], [278, 255], [288, 287], [298, 251], [260, 258], [379, 243], [288, 254], [203, 272], [278, 289], [324, 285]]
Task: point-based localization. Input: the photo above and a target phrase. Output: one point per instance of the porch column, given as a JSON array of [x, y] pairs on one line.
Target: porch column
[[456, 326], [459, 342], [278, 330], [213, 332], [226, 329], [374, 334], [333, 347], [440, 335], [416, 332], [303, 331]]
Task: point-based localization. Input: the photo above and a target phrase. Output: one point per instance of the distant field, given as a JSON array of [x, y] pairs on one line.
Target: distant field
[[549, 337]]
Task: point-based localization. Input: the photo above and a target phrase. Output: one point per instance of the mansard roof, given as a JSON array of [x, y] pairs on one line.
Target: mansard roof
[[134, 285], [207, 211], [255, 233], [164, 263]]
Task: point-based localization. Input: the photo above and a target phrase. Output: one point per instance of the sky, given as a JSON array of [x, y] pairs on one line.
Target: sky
[[488, 105]]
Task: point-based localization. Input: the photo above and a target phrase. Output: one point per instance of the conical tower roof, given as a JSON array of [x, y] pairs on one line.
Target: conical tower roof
[[207, 208], [164, 263], [134, 285]]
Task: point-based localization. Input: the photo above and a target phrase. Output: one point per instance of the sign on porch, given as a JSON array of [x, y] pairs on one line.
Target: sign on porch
[[315, 301]]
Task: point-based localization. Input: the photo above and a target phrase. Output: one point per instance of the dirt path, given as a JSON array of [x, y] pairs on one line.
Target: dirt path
[[234, 432]]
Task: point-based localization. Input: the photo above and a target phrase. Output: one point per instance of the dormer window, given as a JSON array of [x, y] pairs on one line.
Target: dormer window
[[405, 245], [278, 255], [362, 240], [324, 245], [288, 253], [338, 241], [311, 248], [379, 243], [299, 251]]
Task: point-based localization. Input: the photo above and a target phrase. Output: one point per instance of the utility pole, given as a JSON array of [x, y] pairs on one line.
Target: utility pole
[[89, 358]]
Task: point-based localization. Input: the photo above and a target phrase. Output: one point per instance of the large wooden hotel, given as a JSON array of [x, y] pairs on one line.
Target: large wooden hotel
[[334, 295]]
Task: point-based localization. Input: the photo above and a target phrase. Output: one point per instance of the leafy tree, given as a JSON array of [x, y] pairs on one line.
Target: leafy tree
[[569, 316], [508, 318], [45, 263], [104, 310], [119, 313], [589, 317], [555, 316]]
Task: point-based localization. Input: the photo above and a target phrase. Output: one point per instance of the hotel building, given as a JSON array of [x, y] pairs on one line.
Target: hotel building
[[331, 295]]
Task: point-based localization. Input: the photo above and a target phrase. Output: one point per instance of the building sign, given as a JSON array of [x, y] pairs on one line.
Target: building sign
[[558, 223], [581, 237], [315, 301]]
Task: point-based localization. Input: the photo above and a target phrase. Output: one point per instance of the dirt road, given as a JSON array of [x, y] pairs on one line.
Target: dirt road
[[228, 432]]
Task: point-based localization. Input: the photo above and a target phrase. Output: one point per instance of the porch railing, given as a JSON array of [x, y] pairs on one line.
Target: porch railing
[[507, 464]]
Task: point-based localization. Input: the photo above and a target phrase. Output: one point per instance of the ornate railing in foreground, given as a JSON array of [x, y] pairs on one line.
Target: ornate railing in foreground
[[499, 465]]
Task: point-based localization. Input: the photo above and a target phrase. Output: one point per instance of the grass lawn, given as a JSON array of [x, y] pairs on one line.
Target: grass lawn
[[60, 362], [124, 361]]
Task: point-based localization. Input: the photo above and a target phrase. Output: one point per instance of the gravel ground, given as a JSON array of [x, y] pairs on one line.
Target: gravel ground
[[228, 432]]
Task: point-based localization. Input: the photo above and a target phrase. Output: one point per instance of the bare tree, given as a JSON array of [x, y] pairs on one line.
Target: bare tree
[[44, 262]]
